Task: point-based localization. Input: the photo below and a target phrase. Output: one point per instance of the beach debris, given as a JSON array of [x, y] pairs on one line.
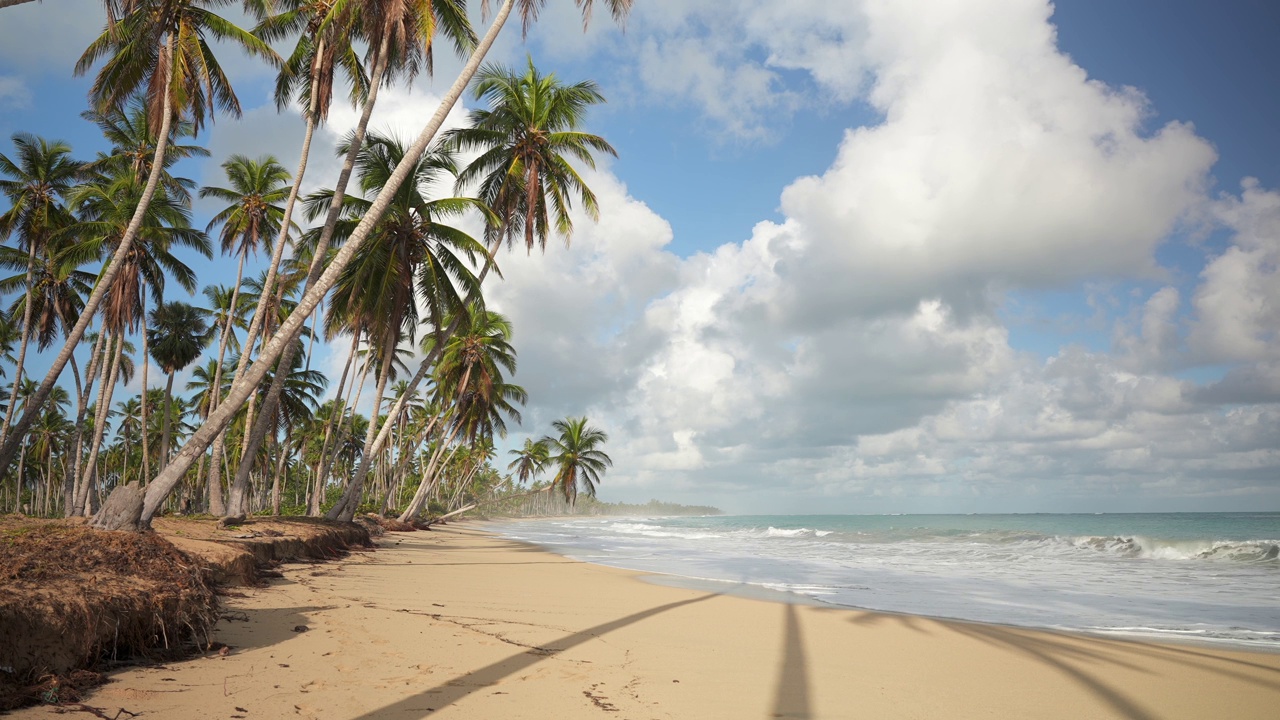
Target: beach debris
[[300, 628], [599, 699]]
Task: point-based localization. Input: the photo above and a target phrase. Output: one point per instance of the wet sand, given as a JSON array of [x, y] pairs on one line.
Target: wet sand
[[455, 623]]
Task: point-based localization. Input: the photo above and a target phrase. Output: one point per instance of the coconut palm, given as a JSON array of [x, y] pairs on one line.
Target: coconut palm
[[107, 210], [223, 315], [10, 335], [526, 139], [158, 49], [400, 36], [578, 456], [36, 185], [319, 283], [177, 336], [252, 218], [530, 460], [324, 46], [470, 378], [412, 255], [133, 147], [57, 291]]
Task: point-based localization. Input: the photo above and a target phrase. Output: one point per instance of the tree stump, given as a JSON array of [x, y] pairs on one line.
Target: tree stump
[[122, 510]]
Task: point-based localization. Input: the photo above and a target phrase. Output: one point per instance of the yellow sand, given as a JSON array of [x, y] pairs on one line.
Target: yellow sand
[[458, 624]]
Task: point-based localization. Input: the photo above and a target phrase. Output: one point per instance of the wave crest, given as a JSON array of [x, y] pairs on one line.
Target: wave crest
[[1139, 547]]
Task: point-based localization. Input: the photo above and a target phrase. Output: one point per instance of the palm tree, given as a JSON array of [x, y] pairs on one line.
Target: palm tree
[[413, 255], [525, 138], [324, 45], [107, 210], [252, 219], [133, 147], [578, 455], [177, 335], [530, 460], [470, 376], [36, 186], [57, 291], [400, 34], [159, 49], [319, 283], [9, 335]]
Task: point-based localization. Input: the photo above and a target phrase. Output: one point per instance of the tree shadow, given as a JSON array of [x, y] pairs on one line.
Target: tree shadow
[[248, 629], [429, 701], [1057, 652], [791, 698]]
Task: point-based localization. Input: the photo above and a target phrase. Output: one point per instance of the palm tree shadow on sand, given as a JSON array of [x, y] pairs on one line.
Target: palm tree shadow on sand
[[429, 701], [1060, 654], [791, 699]]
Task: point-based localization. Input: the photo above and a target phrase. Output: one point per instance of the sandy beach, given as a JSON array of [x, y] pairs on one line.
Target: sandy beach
[[456, 623]]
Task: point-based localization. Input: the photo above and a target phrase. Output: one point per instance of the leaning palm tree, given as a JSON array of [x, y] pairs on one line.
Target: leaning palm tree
[[526, 138], [470, 384], [161, 49], [36, 186], [323, 47], [400, 36], [253, 218], [318, 287], [578, 456], [177, 336], [106, 212], [413, 255]]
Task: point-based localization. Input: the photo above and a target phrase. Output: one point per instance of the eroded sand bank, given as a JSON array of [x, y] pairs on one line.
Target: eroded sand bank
[[458, 624]]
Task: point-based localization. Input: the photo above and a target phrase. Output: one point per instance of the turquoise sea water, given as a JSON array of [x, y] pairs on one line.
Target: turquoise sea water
[[1205, 576]]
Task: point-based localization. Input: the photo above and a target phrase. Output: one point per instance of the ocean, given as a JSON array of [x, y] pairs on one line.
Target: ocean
[[1212, 577]]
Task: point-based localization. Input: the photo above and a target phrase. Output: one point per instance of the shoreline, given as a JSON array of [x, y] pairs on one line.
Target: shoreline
[[760, 591], [458, 622], [1102, 592]]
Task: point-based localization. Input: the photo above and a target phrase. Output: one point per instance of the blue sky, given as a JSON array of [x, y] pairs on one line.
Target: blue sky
[[826, 280]]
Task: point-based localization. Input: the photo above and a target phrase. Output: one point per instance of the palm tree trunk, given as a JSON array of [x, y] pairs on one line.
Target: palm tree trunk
[[22, 468], [313, 506], [256, 432], [97, 361], [146, 363], [200, 439], [275, 484], [164, 424], [216, 505], [345, 510], [105, 281], [22, 349], [415, 505], [357, 389], [11, 3], [104, 404]]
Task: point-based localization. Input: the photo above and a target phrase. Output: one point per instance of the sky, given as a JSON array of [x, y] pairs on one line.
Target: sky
[[871, 256]]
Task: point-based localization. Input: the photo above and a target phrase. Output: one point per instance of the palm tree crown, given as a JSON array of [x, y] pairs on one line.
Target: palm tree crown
[[525, 138], [577, 453]]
